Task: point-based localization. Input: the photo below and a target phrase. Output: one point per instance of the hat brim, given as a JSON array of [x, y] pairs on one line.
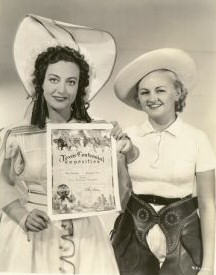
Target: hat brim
[[35, 34], [175, 60]]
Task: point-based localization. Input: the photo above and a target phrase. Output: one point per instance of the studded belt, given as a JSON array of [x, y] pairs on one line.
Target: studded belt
[[157, 199], [170, 218]]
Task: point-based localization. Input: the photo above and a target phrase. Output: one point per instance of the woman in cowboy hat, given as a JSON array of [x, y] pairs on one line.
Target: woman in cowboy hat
[[60, 81], [170, 164]]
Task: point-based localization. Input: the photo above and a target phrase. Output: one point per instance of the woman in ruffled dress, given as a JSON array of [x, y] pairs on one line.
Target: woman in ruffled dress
[[61, 82]]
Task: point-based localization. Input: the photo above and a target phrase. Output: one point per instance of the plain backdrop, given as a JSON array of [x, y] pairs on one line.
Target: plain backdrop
[[138, 26]]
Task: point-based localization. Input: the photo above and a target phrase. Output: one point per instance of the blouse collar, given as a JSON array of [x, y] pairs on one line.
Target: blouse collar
[[174, 129]]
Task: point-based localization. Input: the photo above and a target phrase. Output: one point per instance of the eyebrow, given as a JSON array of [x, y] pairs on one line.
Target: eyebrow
[[70, 77], [53, 75], [160, 87], [146, 89]]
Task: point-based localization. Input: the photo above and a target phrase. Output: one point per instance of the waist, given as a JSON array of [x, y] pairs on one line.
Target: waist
[[36, 196], [162, 188], [158, 200]]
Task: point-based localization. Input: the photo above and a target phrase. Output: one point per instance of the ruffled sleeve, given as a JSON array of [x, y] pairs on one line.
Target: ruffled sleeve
[[9, 155]]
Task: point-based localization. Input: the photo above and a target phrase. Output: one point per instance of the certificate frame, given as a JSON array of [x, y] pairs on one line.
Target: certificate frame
[[76, 185]]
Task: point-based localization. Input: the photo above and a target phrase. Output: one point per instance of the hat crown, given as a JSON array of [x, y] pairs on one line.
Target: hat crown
[[35, 34]]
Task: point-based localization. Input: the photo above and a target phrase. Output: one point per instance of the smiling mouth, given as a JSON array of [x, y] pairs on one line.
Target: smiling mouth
[[60, 98], [154, 106]]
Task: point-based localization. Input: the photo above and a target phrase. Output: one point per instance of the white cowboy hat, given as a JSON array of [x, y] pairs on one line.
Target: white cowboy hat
[[35, 34], [175, 60]]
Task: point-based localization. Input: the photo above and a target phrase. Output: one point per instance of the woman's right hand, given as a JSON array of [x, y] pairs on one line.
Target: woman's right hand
[[37, 220]]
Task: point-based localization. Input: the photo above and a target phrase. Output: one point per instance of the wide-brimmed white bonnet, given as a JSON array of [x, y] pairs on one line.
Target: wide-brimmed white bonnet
[[35, 34], [175, 60]]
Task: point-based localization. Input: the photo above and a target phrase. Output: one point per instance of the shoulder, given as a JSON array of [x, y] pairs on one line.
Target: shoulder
[[9, 133], [97, 119], [23, 127], [93, 120], [192, 131], [25, 130], [194, 135]]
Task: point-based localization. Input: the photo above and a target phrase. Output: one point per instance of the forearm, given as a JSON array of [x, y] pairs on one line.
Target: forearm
[[207, 217], [16, 211], [206, 199], [132, 154], [33, 221], [124, 181]]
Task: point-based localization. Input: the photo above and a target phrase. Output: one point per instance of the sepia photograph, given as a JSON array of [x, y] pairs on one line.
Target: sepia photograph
[[107, 137]]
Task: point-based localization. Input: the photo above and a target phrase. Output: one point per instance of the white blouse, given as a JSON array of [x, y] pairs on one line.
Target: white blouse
[[168, 160]]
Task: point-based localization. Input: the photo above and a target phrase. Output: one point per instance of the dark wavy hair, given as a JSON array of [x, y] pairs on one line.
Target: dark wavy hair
[[50, 56], [178, 85]]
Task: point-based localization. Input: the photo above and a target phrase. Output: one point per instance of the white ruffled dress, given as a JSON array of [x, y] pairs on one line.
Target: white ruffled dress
[[54, 250]]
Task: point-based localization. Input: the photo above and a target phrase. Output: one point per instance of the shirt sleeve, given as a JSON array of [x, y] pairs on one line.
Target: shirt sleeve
[[8, 192], [206, 159]]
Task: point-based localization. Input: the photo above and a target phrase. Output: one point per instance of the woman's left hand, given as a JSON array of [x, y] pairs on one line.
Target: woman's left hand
[[124, 143], [116, 130]]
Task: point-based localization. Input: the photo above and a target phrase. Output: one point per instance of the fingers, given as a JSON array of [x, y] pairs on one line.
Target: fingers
[[116, 133], [35, 226], [43, 215], [37, 220], [116, 130], [124, 145]]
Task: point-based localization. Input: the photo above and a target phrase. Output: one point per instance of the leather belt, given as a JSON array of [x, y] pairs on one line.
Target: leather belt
[[157, 199]]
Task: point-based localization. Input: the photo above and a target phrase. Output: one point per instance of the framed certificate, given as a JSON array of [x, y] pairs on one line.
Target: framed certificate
[[81, 170]]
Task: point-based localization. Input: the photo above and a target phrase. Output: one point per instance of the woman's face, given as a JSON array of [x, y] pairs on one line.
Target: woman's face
[[157, 95], [60, 86]]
